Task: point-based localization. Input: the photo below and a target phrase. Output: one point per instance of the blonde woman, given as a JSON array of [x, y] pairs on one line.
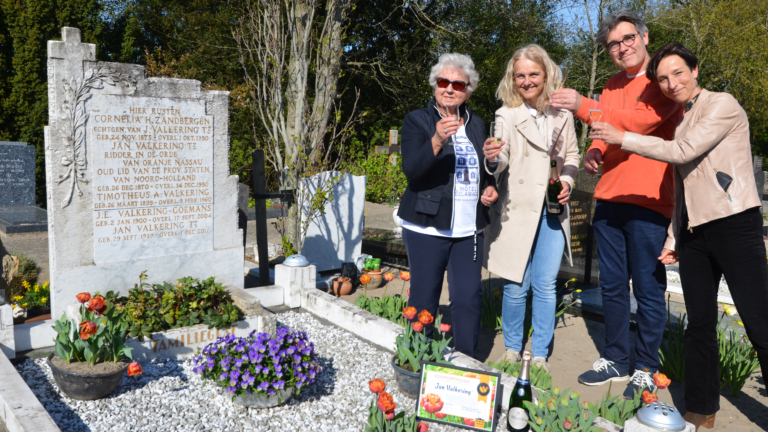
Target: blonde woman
[[526, 243]]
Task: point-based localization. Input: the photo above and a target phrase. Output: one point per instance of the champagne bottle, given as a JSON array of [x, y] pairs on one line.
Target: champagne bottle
[[553, 190], [517, 416]]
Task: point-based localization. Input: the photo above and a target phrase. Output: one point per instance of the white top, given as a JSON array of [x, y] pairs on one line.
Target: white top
[[466, 192]]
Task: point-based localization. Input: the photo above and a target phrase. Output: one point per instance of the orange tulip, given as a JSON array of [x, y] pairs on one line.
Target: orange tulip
[[83, 297], [406, 276], [377, 385], [469, 422], [422, 427], [432, 403], [661, 380], [364, 279], [426, 317], [134, 369], [87, 329], [649, 397], [409, 313], [417, 326], [97, 305], [387, 405], [389, 277], [445, 328]]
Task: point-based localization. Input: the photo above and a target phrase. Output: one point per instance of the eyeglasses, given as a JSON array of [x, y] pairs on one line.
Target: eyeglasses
[[628, 41], [445, 82]]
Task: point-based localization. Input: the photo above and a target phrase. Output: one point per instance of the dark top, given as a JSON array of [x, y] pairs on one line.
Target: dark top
[[428, 199]]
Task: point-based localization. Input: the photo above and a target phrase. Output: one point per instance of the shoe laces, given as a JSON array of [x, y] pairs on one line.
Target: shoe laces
[[641, 379], [601, 365]]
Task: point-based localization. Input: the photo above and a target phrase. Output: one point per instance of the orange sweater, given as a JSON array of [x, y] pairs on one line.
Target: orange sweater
[[635, 105]]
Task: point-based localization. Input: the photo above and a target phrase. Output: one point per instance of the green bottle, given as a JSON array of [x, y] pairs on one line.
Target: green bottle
[[517, 416], [553, 190]]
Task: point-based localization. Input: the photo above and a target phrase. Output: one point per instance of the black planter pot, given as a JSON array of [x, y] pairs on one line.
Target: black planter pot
[[86, 386], [407, 382]]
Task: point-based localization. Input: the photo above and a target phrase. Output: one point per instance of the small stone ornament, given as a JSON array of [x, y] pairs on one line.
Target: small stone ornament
[[657, 416]]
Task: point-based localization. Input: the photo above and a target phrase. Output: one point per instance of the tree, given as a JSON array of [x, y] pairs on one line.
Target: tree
[[282, 50]]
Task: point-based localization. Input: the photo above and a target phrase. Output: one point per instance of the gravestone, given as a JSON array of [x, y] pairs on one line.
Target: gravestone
[[137, 173], [757, 165], [336, 236], [18, 212], [583, 247], [17, 174]]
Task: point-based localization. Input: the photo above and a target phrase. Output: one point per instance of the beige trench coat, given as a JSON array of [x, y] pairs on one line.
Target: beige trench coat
[[522, 177]]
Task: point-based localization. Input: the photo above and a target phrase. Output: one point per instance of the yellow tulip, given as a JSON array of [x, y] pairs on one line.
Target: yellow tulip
[[24, 305], [43, 300], [740, 323], [730, 310]]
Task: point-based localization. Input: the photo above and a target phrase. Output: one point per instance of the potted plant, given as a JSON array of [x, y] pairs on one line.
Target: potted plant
[[381, 413], [260, 371], [33, 304], [413, 347], [91, 356]]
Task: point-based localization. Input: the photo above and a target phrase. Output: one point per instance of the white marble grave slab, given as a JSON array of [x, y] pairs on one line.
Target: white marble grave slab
[[337, 236]]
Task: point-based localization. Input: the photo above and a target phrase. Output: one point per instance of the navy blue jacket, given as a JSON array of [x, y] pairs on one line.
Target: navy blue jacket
[[428, 199]]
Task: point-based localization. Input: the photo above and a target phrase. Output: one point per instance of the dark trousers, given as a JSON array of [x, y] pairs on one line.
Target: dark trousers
[[732, 246], [428, 257], [629, 241]]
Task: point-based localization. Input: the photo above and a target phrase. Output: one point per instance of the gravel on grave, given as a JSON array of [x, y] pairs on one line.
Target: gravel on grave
[[170, 397]]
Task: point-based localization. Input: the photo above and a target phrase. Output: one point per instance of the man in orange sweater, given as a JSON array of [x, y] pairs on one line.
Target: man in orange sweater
[[635, 199]]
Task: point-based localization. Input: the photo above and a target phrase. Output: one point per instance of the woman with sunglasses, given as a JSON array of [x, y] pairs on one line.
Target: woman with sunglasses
[[716, 228], [444, 207], [527, 238]]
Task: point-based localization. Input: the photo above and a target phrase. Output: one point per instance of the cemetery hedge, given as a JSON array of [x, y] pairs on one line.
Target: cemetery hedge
[[388, 51]]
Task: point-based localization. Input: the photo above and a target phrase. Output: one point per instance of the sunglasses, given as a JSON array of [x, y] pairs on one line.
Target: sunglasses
[[457, 85]]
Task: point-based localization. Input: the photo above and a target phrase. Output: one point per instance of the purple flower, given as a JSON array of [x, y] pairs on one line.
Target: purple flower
[[231, 389], [263, 386], [279, 384], [223, 376]]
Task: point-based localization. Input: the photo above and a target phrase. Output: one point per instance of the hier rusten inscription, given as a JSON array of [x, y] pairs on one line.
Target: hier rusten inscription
[[152, 177]]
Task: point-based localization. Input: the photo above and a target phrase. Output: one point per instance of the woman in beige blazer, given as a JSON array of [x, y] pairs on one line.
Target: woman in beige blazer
[[716, 228], [525, 243]]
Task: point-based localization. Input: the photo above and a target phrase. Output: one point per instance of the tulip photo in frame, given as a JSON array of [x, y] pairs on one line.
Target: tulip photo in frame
[[465, 398]]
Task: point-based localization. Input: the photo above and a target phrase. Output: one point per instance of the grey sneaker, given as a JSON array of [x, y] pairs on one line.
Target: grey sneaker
[[541, 363], [511, 356], [641, 380]]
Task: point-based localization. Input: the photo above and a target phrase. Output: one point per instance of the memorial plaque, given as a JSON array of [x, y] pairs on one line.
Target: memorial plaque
[[583, 247], [137, 173], [17, 174]]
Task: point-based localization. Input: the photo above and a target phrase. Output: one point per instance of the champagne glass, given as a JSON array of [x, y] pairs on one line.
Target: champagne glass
[[497, 131], [452, 110], [560, 79], [595, 109]]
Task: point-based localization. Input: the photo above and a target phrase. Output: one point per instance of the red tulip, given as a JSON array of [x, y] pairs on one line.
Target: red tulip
[[422, 427], [432, 403], [441, 415], [87, 329], [406, 276], [417, 326], [409, 313], [134, 369], [389, 277], [567, 425], [426, 317], [409, 292], [377, 385], [445, 328], [661, 380], [83, 297], [97, 304], [649, 397], [469, 422]]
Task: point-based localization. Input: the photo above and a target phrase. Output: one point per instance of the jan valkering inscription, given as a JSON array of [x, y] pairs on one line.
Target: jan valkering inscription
[[152, 177]]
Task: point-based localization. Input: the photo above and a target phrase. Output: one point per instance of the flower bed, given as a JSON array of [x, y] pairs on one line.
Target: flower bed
[[170, 396]]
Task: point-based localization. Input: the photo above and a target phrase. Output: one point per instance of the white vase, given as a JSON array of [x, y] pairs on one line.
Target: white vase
[[398, 230]]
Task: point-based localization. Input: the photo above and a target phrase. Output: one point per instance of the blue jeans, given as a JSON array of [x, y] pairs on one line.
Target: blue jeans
[[629, 241], [541, 273]]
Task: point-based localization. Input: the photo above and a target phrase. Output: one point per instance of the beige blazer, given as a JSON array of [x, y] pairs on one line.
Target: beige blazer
[[522, 177], [712, 137]]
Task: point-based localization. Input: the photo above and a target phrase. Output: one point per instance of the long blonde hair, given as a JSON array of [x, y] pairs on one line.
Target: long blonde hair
[[507, 91]]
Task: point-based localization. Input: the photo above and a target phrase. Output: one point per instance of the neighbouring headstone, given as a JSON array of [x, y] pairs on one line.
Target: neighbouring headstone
[[243, 193], [583, 247], [17, 174], [137, 173], [337, 236], [757, 163]]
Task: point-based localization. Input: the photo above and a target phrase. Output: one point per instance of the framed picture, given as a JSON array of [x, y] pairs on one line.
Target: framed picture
[[458, 396]]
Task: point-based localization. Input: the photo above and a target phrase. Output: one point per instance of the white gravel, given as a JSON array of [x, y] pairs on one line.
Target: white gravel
[[169, 396], [674, 276]]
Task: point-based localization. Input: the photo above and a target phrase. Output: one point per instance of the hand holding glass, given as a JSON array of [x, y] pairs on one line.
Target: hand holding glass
[[452, 110], [497, 131], [595, 109], [560, 79]]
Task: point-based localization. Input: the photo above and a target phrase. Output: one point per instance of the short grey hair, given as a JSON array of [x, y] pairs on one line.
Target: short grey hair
[[462, 63], [611, 21]]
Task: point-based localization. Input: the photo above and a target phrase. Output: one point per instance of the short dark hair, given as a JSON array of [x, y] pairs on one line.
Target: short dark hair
[[611, 21], [667, 50]]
